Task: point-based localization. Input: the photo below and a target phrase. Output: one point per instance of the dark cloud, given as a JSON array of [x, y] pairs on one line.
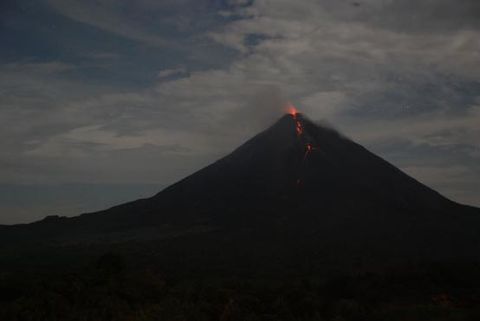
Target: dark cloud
[[412, 94], [409, 15]]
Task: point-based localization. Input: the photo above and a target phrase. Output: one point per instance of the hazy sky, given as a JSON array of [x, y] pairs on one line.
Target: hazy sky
[[104, 101]]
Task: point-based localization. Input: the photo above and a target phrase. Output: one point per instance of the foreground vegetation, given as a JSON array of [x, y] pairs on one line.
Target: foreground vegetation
[[111, 289]]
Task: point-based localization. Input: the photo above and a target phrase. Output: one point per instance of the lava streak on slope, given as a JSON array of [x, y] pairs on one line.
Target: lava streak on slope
[[298, 127], [308, 149], [298, 124], [299, 130]]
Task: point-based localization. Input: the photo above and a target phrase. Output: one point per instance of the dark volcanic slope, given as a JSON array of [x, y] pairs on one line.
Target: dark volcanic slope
[[294, 182]]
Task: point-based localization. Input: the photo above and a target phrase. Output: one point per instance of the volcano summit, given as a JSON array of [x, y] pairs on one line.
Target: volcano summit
[[294, 188]]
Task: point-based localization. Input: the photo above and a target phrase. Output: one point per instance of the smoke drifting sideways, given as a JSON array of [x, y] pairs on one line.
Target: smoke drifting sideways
[[266, 105], [261, 109]]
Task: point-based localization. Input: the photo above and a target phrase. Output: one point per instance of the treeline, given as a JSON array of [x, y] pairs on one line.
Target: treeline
[[111, 289]]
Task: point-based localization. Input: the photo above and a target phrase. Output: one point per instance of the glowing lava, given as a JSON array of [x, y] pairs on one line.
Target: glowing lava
[[299, 131], [298, 124], [292, 110], [298, 127], [308, 149]]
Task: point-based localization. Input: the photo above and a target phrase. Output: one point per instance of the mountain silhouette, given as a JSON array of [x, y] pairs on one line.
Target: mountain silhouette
[[295, 187]]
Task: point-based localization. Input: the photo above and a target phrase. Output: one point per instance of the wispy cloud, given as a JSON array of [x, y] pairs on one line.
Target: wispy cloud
[[102, 15], [387, 73]]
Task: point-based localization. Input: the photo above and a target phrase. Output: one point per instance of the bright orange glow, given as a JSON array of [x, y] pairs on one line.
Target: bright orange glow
[[292, 110]]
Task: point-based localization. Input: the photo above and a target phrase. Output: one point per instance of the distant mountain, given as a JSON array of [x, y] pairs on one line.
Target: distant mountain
[[295, 187]]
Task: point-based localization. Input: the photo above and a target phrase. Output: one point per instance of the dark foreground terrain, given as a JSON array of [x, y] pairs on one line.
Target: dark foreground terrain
[[299, 223], [114, 288]]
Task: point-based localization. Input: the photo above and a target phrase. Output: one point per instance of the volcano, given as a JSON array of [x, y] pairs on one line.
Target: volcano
[[294, 188]]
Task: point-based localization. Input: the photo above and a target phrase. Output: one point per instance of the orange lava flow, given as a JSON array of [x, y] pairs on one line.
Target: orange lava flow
[[298, 127], [294, 112], [299, 131]]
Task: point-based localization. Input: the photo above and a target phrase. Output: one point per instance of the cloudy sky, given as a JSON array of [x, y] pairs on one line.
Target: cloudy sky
[[104, 101]]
